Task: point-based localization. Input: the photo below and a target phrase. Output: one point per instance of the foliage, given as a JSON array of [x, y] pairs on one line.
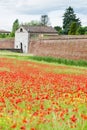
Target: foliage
[[15, 26], [81, 30], [69, 17], [44, 20], [12, 34], [60, 60], [3, 35], [32, 23], [85, 29], [73, 28], [58, 29]]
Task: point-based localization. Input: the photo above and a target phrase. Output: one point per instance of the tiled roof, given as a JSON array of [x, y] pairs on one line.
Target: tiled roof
[[4, 31], [39, 29]]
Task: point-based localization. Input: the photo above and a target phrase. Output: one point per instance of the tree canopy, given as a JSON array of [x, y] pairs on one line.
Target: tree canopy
[[15, 26], [44, 20], [58, 29], [68, 18], [32, 23], [73, 28]]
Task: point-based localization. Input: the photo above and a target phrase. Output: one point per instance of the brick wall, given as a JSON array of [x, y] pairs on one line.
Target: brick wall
[[6, 43], [70, 48], [63, 47]]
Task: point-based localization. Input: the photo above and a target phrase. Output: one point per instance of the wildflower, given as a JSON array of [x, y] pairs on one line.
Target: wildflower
[[14, 125], [84, 116], [73, 119], [32, 129], [24, 120], [23, 128]]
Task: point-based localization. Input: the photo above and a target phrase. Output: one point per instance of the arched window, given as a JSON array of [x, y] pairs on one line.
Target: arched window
[[21, 30]]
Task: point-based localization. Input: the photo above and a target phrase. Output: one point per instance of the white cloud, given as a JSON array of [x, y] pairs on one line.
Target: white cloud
[[56, 17], [27, 10]]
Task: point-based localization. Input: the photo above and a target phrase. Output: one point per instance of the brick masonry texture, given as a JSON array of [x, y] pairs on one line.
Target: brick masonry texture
[[60, 48], [6, 43], [63, 48]]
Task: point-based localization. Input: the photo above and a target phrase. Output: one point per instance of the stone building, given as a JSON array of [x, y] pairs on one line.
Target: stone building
[[25, 33]]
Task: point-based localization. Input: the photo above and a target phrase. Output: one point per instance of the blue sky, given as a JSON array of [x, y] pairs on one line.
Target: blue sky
[[27, 10]]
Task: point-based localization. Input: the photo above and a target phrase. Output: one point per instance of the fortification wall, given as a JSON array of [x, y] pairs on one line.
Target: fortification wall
[[67, 47], [6, 43]]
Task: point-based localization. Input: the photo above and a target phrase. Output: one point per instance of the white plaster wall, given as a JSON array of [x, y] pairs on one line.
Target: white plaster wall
[[22, 37]]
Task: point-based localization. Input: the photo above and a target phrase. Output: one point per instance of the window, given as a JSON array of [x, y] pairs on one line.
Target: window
[[21, 30]]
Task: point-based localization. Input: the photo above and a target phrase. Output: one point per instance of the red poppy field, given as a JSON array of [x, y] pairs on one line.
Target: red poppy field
[[36, 96]]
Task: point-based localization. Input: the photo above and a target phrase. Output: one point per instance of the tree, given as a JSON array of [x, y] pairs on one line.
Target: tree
[[44, 20], [73, 28], [80, 31], [58, 29], [85, 29], [32, 23], [15, 26], [69, 17]]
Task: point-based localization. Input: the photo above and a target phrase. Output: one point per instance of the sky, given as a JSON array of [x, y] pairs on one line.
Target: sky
[[28, 10]]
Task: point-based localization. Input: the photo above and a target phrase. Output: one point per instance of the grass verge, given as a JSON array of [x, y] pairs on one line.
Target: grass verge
[[82, 63]]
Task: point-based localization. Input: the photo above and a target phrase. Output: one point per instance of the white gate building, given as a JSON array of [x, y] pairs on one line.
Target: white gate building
[[24, 33]]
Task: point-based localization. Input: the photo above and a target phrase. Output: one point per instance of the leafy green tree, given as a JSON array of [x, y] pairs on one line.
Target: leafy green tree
[[3, 35], [44, 20], [80, 31], [32, 23], [58, 29], [15, 27], [69, 17], [85, 29], [73, 28]]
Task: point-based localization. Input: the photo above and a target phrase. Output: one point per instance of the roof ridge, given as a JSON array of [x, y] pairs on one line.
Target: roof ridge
[[39, 29]]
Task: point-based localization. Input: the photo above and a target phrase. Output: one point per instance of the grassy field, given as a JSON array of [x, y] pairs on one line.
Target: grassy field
[[41, 96]]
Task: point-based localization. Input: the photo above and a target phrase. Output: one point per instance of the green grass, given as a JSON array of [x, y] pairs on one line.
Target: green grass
[[60, 61], [22, 56]]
